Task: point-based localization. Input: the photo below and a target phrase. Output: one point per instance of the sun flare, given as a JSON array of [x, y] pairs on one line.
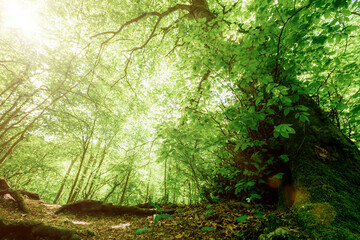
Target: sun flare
[[19, 17]]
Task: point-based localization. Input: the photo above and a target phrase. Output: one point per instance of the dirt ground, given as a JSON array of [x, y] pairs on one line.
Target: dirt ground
[[229, 220]]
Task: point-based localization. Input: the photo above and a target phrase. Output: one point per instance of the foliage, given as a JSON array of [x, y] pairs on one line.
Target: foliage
[[185, 101]]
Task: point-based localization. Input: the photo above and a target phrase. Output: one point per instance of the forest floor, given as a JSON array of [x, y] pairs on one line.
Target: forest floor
[[231, 220]]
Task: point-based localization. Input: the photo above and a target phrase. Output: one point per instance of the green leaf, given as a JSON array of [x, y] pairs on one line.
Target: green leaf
[[278, 176], [249, 184], [259, 215], [155, 206], [355, 110], [160, 216], [302, 108], [255, 196], [284, 130], [346, 12], [207, 229], [209, 212], [285, 158], [284, 134], [141, 230], [241, 218], [304, 118], [276, 134], [286, 111]]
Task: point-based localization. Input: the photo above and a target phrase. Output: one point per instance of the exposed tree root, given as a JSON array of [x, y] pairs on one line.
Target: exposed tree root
[[98, 207], [18, 199], [30, 195], [32, 230]]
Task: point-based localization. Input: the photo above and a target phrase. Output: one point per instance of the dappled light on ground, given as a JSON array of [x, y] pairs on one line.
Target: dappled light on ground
[[229, 220]]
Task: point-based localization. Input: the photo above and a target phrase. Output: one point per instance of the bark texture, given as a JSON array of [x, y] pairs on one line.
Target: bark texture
[[324, 190]]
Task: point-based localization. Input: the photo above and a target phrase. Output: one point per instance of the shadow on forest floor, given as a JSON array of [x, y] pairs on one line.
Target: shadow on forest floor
[[231, 220]]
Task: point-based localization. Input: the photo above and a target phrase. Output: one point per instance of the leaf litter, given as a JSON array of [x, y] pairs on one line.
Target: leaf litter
[[230, 220]]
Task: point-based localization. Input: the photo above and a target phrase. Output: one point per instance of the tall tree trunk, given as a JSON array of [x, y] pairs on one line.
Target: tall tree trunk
[[85, 145], [112, 190], [94, 175], [125, 187], [64, 180], [148, 187], [79, 186], [324, 188], [165, 176], [190, 202], [71, 194]]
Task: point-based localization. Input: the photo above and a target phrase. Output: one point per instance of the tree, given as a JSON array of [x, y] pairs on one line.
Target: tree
[[269, 59], [249, 98]]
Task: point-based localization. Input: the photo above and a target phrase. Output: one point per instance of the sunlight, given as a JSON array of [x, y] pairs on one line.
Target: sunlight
[[20, 17]]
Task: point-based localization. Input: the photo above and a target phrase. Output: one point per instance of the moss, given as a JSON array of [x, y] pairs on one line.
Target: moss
[[56, 233], [280, 233], [316, 214], [272, 222], [89, 232], [32, 230], [324, 184], [18, 199], [91, 207]]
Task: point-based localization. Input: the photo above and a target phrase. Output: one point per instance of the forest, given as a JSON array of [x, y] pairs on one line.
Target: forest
[[179, 119]]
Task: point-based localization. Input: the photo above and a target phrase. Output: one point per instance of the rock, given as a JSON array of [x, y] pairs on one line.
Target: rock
[[7, 196]]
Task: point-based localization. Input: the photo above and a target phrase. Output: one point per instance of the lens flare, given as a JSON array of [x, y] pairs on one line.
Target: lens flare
[[17, 16]]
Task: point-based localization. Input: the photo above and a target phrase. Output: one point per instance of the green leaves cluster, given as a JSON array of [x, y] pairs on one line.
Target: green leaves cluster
[[187, 108]]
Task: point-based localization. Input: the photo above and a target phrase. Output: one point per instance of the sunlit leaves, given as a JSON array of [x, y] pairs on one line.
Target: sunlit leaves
[[261, 58]]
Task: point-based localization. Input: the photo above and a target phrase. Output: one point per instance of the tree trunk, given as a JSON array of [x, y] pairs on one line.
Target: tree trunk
[[71, 194], [324, 190], [165, 176], [125, 187], [93, 177], [148, 187], [79, 187], [64, 180], [116, 184]]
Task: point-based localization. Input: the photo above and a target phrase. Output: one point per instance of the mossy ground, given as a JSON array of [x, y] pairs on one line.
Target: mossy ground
[[217, 221], [230, 220]]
